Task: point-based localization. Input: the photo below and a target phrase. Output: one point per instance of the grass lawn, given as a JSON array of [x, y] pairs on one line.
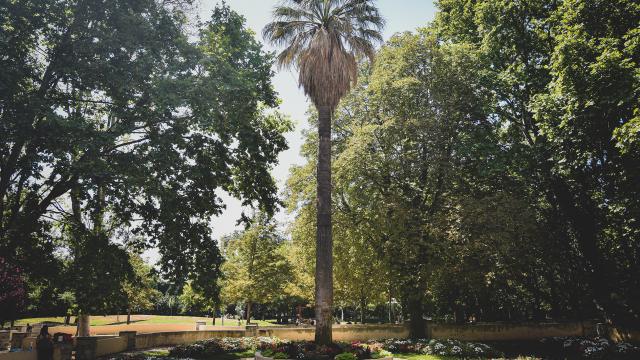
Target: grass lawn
[[144, 319], [437, 357], [160, 353], [423, 357]]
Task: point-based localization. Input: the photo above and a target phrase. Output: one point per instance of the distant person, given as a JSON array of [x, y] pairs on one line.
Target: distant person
[[44, 344], [29, 328]]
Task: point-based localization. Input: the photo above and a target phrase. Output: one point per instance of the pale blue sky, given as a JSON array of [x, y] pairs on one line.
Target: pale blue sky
[[400, 15]]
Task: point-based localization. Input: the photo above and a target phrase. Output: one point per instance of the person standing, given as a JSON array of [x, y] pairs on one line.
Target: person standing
[[44, 344]]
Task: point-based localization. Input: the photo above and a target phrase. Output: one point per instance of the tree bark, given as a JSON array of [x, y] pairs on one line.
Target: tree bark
[[84, 324], [128, 316], [248, 312], [324, 241], [417, 325], [390, 304]]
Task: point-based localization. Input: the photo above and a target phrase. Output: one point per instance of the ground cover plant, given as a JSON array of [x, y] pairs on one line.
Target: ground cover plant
[[373, 349], [588, 348]]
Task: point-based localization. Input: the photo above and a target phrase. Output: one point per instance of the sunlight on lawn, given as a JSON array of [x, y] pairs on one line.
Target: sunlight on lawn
[[145, 319]]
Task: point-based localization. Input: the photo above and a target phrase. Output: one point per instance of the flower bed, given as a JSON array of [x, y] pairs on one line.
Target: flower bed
[[589, 348], [436, 347], [284, 349]]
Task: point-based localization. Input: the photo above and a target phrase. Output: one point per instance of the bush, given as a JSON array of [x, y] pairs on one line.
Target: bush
[[282, 349], [381, 354], [434, 347], [346, 356], [589, 348]]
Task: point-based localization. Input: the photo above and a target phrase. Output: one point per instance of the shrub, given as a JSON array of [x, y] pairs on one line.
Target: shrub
[[267, 353], [381, 354], [282, 349], [435, 347], [589, 348]]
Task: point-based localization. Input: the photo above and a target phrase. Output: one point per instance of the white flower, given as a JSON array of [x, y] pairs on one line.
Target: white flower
[[456, 350]]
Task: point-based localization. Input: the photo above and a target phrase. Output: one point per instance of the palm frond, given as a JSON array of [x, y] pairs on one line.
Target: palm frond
[[323, 38]]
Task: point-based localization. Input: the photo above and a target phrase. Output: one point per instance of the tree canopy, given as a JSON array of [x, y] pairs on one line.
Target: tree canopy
[[118, 128]]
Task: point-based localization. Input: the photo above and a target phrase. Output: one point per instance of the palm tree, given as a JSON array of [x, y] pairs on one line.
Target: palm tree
[[323, 39]]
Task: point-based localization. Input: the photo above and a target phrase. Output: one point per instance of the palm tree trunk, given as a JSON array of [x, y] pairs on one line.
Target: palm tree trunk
[[248, 312], [324, 242]]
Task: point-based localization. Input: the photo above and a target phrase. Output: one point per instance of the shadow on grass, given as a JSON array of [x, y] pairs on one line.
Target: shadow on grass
[[123, 322]]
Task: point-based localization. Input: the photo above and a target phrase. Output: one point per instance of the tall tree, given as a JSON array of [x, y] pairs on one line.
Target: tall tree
[[323, 39], [565, 78], [110, 105], [255, 270], [141, 290]]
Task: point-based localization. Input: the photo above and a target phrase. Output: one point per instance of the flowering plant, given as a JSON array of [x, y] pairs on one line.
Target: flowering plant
[[589, 348]]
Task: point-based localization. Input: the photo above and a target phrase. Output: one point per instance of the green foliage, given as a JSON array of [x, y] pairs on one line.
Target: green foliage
[[141, 292], [346, 356], [99, 269], [192, 302], [255, 269], [565, 78], [489, 162], [115, 123]]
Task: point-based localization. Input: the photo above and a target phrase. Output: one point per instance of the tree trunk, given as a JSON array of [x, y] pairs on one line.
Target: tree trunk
[[128, 316], [84, 324], [577, 207], [390, 305], [248, 312], [417, 325], [363, 305], [324, 241]]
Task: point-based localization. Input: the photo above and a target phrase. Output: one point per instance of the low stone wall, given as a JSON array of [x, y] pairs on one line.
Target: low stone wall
[[508, 332], [340, 332], [145, 341], [110, 345], [94, 346], [58, 354], [116, 329]]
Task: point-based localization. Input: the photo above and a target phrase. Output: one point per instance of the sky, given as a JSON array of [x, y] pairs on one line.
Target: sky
[[400, 15]]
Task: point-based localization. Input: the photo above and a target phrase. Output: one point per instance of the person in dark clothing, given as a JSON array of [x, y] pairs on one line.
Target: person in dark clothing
[[44, 344]]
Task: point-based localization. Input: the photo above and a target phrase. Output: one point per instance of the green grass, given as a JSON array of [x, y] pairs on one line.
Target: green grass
[[144, 319], [157, 353], [414, 356], [423, 357]]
